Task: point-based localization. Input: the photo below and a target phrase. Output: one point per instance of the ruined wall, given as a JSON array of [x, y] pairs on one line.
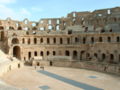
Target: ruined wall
[[82, 36]]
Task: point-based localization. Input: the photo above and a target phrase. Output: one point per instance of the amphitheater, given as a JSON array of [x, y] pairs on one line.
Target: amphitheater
[[83, 47]]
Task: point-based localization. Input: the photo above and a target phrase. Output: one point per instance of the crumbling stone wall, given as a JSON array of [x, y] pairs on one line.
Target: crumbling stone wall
[[83, 36]]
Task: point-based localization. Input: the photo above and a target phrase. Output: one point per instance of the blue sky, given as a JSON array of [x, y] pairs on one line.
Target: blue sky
[[36, 9]]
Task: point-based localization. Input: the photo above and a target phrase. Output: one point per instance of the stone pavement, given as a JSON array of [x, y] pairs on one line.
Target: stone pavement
[[59, 78]]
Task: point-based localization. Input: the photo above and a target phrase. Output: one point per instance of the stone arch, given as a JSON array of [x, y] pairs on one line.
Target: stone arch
[[15, 41], [54, 53], [84, 40], [29, 55], [111, 58], [54, 40], [57, 27], [41, 40], [95, 55], [38, 64], [103, 56], [61, 41], [100, 39], [92, 40], [68, 40], [88, 56], [48, 40], [34, 28], [67, 53], [23, 40], [50, 27], [2, 35], [19, 28], [29, 41], [117, 39], [35, 40], [82, 55], [109, 39], [1, 28], [75, 54], [17, 52], [41, 53], [48, 53], [35, 53], [11, 28], [76, 39]]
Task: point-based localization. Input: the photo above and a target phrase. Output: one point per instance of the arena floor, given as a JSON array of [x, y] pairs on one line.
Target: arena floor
[[59, 78]]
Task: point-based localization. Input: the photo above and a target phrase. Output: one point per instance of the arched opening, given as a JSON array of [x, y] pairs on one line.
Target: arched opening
[[29, 55], [92, 40], [1, 28], [118, 39], [48, 53], [2, 36], [84, 40], [100, 39], [111, 58], [61, 41], [34, 28], [35, 53], [88, 56], [67, 53], [50, 27], [29, 41], [38, 64], [51, 63], [54, 40], [109, 39], [15, 41], [57, 27], [41, 40], [68, 40], [23, 40], [82, 55], [54, 53], [48, 40], [95, 55], [19, 28], [41, 53], [74, 54], [35, 40], [16, 52], [76, 40], [11, 28], [103, 56]]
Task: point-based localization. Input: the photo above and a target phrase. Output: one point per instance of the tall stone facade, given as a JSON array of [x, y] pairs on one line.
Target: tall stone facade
[[82, 36]]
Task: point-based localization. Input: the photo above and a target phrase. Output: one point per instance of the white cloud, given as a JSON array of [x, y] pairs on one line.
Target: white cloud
[[7, 1], [9, 12], [6, 11]]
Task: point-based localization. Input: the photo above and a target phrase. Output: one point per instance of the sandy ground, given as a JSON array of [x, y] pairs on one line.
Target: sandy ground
[[29, 78]]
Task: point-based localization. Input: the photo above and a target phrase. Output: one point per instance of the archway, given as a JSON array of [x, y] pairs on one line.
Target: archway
[[16, 52], [15, 41], [2, 36], [51, 63]]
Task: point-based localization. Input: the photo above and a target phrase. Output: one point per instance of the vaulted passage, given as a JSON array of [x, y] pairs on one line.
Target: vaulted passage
[[16, 52]]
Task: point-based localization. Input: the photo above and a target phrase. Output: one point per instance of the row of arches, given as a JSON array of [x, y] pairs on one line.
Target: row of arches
[[97, 39], [81, 56], [46, 40], [50, 27], [66, 40]]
